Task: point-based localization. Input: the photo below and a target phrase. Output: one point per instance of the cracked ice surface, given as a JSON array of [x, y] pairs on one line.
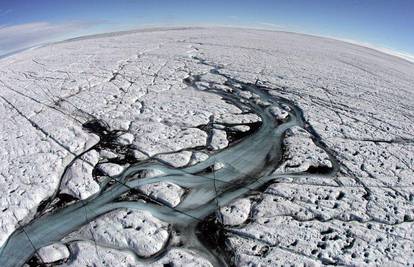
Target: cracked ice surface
[[78, 180], [235, 213], [357, 106], [54, 252], [168, 193], [123, 229], [301, 153]]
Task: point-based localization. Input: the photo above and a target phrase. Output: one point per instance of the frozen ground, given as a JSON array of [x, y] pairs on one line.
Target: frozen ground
[[334, 184]]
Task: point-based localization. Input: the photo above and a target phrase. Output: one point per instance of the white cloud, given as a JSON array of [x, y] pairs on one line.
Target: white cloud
[[233, 17], [4, 12], [16, 37], [271, 25]]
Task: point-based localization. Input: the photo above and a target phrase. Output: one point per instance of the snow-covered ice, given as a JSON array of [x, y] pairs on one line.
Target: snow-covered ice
[[78, 180], [54, 252], [172, 102]]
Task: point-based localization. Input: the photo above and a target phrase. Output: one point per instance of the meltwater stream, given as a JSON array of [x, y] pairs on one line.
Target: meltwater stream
[[248, 164]]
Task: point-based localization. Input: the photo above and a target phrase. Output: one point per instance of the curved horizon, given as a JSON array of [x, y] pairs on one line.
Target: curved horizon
[[385, 25], [384, 50]]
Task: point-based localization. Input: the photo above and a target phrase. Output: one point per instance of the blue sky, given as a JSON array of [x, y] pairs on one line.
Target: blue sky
[[388, 24]]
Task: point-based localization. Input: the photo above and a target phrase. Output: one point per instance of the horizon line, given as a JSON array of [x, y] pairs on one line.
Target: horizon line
[[388, 51]]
